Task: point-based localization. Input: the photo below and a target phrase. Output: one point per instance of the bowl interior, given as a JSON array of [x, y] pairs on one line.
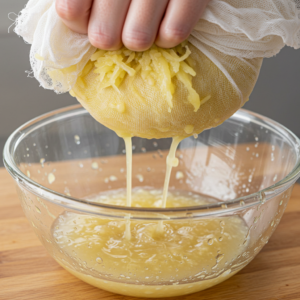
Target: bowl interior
[[70, 153]]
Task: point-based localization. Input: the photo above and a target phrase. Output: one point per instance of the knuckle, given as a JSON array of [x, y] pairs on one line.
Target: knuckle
[[175, 35], [102, 40], [137, 40], [67, 10]]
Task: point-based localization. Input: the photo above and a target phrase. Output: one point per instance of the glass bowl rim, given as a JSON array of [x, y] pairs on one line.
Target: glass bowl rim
[[82, 205]]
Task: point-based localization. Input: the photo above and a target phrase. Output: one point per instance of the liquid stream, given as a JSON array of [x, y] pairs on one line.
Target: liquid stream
[[150, 258]]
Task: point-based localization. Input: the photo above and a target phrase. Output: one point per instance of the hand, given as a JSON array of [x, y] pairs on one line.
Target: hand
[[135, 23]]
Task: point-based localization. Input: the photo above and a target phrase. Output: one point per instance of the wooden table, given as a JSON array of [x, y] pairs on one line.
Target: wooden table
[[28, 272]]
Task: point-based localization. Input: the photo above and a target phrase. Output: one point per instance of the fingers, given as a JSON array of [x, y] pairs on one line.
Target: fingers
[[179, 21], [142, 23], [136, 23], [106, 23], [75, 13]]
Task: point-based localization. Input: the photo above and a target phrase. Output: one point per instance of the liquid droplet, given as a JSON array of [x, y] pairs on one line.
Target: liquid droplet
[[219, 257], [42, 161], [113, 178], [210, 242], [77, 139], [160, 153], [189, 129], [51, 178], [140, 177], [99, 260], [242, 203], [38, 210], [95, 166], [179, 175]]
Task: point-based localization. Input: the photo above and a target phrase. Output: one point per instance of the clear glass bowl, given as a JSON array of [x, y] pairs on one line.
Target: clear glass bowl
[[244, 169]]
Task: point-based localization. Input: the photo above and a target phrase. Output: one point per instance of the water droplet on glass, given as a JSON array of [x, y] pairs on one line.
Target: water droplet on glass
[[160, 153], [210, 242], [242, 203], [280, 203], [95, 166], [220, 239], [219, 257], [38, 210], [179, 175], [42, 161], [99, 260], [51, 178], [113, 178], [143, 149], [155, 144], [28, 173], [224, 206], [140, 177], [77, 139]]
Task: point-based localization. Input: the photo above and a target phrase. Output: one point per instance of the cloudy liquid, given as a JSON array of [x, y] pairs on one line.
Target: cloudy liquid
[[152, 263]]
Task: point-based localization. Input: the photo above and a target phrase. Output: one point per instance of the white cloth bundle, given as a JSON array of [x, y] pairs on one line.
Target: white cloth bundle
[[242, 28]]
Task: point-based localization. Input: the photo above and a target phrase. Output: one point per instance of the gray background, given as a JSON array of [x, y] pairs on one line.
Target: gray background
[[276, 93]]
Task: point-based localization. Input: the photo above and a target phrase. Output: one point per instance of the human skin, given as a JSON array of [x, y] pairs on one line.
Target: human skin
[[136, 24]]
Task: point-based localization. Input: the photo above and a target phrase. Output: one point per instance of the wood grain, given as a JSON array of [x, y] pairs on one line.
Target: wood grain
[[27, 272]]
